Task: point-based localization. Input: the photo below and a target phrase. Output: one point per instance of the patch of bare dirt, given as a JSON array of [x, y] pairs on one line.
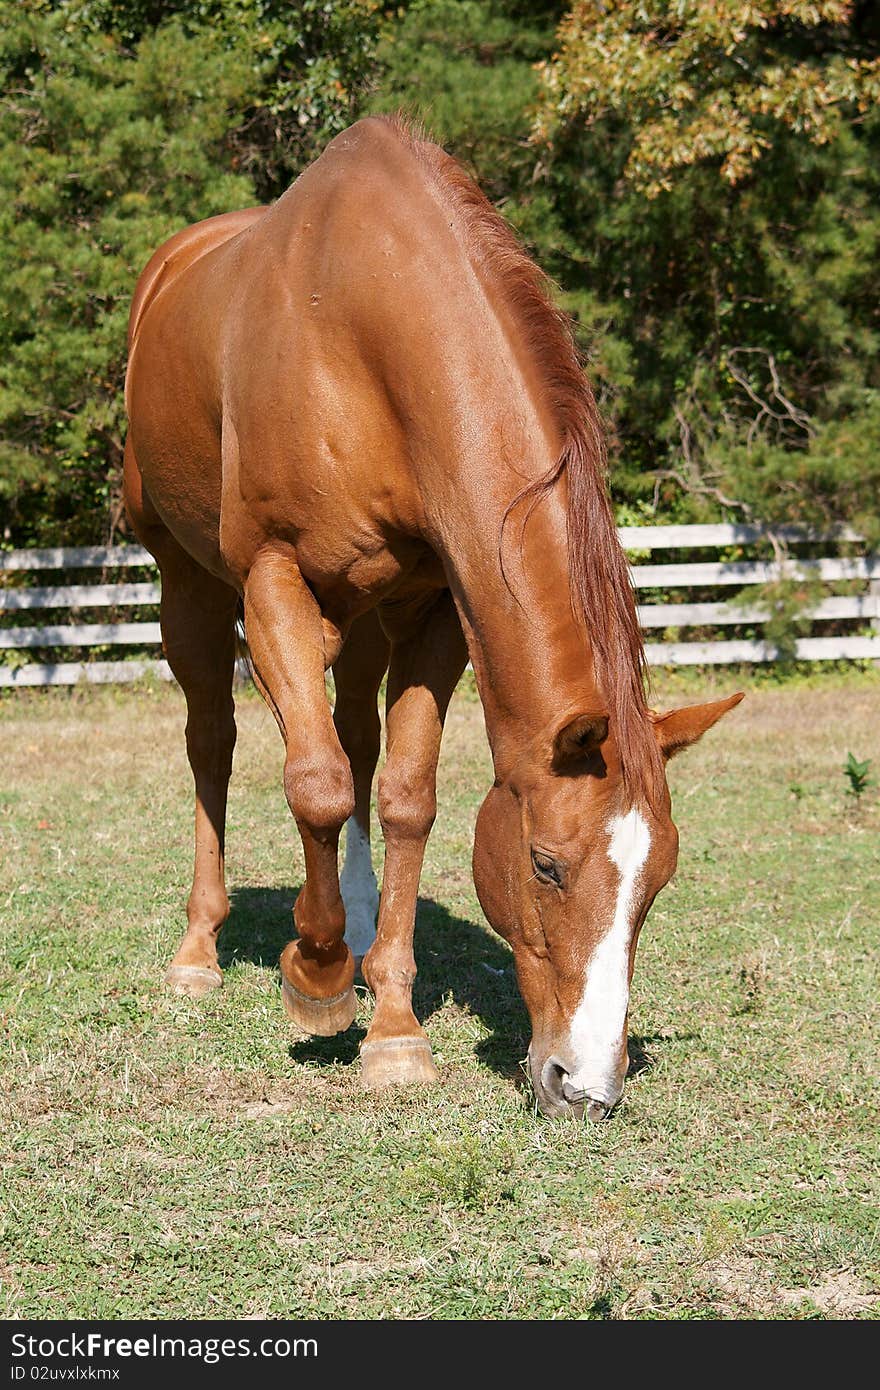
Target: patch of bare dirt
[[841, 1295], [742, 1283]]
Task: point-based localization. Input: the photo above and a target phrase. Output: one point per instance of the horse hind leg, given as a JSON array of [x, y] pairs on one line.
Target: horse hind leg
[[358, 673], [198, 633], [197, 618], [198, 636]]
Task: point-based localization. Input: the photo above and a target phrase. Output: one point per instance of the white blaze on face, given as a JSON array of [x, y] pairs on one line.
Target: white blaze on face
[[599, 1020], [360, 892]]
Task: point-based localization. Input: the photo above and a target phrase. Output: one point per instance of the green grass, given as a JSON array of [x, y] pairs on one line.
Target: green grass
[[163, 1158]]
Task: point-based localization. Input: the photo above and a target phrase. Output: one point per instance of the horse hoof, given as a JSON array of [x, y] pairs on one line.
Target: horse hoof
[[193, 980], [322, 1018], [403, 1061]]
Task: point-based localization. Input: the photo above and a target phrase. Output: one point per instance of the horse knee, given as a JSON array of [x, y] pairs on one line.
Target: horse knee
[[320, 793], [407, 802]]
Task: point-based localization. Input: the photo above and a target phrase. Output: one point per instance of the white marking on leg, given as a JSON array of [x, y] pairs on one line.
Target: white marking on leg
[[360, 892], [600, 1018]]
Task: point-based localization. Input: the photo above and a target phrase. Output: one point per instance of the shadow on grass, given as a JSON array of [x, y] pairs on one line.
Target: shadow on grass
[[457, 960], [327, 1051], [641, 1056], [461, 961], [259, 927]]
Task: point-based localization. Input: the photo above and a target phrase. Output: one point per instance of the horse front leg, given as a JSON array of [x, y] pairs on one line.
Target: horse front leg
[[289, 650], [425, 668]]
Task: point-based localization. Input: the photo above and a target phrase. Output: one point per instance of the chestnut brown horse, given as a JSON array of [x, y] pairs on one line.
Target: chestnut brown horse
[[358, 413]]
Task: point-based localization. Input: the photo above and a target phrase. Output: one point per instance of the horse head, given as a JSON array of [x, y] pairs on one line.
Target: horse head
[[568, 859]]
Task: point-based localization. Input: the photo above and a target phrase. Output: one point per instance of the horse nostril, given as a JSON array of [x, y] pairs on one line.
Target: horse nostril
[[554, 1077], [557, 1086]]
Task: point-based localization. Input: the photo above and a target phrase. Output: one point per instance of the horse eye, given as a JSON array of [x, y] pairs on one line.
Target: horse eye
[[547, 869]]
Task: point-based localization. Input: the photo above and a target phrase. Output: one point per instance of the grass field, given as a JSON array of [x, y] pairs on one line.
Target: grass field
[[164, 1158]]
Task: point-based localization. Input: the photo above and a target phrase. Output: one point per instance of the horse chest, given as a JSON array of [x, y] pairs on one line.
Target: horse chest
[[347, 577]]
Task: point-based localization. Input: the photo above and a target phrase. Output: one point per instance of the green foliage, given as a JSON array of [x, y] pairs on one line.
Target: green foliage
[[701, 82], [308, 66], [788, 603], [116, 129], [465, 1173], [701, 180], [104, 154], [719, 164], [465, 68], [857, 776]]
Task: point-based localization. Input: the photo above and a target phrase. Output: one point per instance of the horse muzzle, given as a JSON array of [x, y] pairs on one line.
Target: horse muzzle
[[559, 1094]]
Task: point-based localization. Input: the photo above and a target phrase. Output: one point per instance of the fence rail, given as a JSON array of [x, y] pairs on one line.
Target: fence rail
[[656, 611]]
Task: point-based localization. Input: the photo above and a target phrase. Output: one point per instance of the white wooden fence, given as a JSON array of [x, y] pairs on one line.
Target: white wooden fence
[[860, 609]]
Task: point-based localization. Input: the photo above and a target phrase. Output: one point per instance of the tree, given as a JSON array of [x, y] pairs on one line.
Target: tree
[[708, 81], [118, 126], [103, 153], [718, 165], [309, 65], [467, 70]]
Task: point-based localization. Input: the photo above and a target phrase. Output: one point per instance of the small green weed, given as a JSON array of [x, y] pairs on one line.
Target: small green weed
[[462, 1173], [857, 775], [752, 984]]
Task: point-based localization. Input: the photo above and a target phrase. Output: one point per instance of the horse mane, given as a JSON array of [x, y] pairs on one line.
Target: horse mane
[[601, 585]]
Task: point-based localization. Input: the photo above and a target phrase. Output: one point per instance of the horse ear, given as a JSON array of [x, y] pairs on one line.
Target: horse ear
[[580, 737], [681, 727]]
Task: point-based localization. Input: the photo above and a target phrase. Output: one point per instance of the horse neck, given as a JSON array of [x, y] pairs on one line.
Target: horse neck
[[485, 429], [511, 583]]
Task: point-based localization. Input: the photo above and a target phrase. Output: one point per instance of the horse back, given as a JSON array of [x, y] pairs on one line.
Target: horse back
[[293, 366]]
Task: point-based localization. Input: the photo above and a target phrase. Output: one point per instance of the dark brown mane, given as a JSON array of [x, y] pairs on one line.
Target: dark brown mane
[[602, 592]]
